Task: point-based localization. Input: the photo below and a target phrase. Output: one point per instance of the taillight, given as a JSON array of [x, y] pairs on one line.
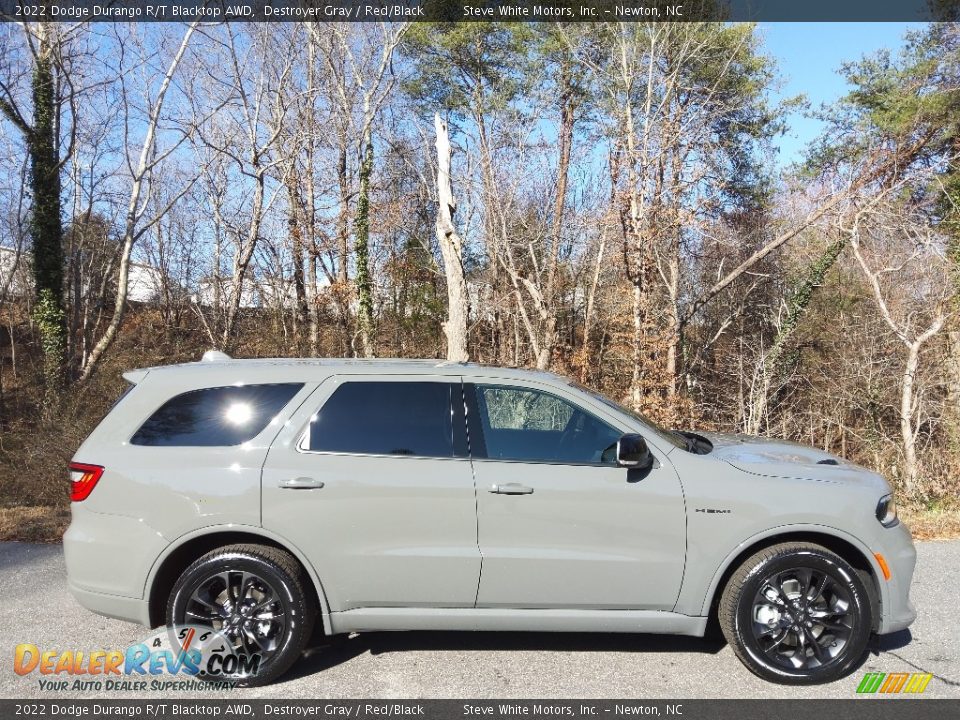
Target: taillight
[[83, 479]]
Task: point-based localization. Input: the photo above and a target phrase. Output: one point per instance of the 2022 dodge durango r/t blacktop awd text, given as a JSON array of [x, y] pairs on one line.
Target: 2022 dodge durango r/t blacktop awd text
[[262, 497]]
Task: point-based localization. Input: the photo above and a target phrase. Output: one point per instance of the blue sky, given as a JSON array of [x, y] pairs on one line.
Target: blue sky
[[810, 55]]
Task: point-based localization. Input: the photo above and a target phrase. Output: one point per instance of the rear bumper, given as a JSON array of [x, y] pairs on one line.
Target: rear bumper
[[897, 612], [114, 606], [108, 558]]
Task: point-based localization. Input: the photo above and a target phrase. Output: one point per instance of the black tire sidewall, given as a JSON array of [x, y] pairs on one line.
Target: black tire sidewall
[[859, 606], [285, 587]]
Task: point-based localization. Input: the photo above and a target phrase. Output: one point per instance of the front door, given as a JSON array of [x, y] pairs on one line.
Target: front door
[[371, 481], [560, 525]]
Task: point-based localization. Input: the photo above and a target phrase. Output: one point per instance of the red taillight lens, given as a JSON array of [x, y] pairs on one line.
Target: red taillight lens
[[83, 479]]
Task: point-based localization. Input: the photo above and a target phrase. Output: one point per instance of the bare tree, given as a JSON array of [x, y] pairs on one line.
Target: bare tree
[[141, 214], [901, 257], [451, 246]]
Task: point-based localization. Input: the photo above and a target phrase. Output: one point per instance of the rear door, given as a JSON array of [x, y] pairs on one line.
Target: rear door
[[560, 525], [371, 479]]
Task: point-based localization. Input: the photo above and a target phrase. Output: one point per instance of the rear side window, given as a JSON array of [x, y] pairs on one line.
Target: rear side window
[[217, 416], [386, 418]]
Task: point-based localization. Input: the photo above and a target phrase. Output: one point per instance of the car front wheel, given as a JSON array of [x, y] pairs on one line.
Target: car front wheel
[[798, 614]]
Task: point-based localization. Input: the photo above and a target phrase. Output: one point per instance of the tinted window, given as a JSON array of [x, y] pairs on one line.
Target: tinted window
[[215, 416], [386, 418], [526, 424]]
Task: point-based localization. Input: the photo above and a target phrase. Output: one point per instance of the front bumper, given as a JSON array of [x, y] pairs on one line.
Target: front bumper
[[896, 611]]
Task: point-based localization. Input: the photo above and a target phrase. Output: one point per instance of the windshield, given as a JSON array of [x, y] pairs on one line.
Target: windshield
[[669, 436]]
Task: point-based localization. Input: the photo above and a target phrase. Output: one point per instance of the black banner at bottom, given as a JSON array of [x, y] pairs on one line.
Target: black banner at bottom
[[873, 708]]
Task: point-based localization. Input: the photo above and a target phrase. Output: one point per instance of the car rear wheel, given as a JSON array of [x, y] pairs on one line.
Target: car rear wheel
[[255, 600], [797, 614]]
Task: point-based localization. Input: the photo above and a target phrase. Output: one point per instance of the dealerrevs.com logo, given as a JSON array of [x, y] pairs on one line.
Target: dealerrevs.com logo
[[893, 683], [197, 657]]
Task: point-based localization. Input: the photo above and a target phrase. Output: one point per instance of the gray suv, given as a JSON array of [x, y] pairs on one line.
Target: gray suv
[[262, 498]]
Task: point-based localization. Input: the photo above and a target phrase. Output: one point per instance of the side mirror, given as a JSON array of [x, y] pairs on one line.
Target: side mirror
[[632, 452]]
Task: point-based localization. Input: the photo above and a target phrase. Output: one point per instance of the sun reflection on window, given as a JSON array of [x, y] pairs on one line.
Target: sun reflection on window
[[238, 413]]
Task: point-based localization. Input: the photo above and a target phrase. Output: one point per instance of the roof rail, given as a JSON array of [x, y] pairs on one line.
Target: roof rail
[[215, 356]]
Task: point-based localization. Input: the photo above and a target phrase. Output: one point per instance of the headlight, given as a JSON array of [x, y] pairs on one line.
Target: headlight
[[887, 511]]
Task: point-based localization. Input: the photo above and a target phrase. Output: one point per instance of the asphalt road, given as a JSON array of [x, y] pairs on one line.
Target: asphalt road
[[37, 608]]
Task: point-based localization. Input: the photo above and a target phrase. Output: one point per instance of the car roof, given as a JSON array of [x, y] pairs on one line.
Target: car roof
[[222, 364]]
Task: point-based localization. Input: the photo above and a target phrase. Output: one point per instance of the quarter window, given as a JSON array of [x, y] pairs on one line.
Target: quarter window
[[387, 418], [219, 416], [527, 424]]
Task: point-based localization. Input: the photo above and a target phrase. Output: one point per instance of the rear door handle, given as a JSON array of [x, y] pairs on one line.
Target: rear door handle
[[301, 483], [511, 489]]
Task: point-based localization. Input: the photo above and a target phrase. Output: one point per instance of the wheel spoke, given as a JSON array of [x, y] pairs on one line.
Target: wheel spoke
[[778, 641], [818, 590], [256, 640], [815, 646], [835, 627]]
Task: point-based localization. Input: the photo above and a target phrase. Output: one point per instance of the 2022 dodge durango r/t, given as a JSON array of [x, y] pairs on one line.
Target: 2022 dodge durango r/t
[[259, 498]]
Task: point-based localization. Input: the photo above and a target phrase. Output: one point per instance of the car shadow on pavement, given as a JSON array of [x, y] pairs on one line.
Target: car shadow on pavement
[[341, 649], [893, 641]]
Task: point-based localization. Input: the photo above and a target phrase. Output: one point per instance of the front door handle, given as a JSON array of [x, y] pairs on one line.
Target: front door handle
[[301, 483], [511, 489]]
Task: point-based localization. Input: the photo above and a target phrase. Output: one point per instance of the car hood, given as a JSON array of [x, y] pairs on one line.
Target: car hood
[[783, 458]]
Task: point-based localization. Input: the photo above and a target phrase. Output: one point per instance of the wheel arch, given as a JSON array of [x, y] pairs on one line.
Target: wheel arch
[[187, 548], [838, 542]]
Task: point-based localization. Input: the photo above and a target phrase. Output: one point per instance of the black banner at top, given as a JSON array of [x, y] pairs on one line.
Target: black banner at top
[[479, 10]]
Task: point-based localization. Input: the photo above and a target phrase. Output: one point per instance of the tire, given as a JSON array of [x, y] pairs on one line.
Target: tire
[[797, 614], [265, 609]]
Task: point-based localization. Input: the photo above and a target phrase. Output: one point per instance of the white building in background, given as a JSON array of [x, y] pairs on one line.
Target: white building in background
[[15, 271], [144, 283], [277, 292], [209, 287]]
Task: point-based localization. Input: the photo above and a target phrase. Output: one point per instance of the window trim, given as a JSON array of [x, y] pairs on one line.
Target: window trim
[[459, 440], [475, 424]]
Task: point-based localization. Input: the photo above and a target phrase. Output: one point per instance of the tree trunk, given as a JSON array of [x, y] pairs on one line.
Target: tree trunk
[[907, 434], [362, 250], [311, 212], [548, 312], [46, 230], [296, 226], [952, 400], [242, 262], [451, 247]]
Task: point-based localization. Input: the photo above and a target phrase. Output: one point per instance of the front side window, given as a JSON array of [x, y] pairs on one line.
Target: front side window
[[386, 418], [527, 424], [219, 416]]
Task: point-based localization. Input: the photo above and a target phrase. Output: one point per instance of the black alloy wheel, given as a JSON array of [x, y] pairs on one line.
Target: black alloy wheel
[[257, 599], [797, 613]]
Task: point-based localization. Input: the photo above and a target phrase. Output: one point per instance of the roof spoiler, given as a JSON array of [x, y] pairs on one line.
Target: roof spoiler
[[135, 376]]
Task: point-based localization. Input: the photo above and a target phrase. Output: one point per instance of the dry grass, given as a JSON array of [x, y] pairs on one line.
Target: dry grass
[[36, 523], [932, 523]]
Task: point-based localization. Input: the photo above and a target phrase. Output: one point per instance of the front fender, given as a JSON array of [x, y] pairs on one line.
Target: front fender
[[697, 598]]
